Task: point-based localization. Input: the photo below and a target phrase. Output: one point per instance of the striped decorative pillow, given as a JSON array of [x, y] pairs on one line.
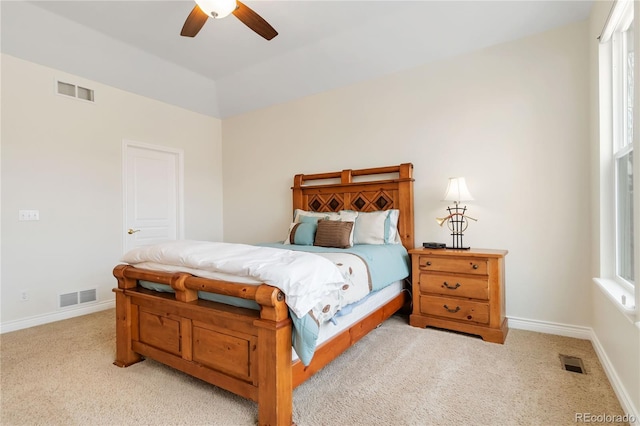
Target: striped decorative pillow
[[333, 233]]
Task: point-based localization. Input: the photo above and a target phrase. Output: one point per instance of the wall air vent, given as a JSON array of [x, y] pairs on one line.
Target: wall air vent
[[77, 297], [87, 295], [73, 91], [66, 89]]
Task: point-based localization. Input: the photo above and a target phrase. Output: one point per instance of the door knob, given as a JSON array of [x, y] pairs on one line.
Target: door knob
[[132, 231]]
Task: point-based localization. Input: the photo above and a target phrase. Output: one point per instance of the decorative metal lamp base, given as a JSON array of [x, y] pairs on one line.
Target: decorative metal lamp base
[[457, 223]]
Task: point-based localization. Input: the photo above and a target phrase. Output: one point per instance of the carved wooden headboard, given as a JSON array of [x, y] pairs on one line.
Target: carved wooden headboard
[[364, 190]]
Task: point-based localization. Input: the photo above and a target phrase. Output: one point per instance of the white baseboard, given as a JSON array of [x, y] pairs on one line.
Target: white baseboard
[[577, 332], [618, 388], [585, 333], [55, 316]]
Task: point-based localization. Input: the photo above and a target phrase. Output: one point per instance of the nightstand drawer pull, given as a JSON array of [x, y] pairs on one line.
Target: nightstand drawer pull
[[450, 287], [453, 311], [475, 266], [429, 263]]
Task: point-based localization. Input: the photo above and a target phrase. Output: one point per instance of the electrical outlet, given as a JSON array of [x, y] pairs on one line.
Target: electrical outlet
[[28, 215], [24, 295]]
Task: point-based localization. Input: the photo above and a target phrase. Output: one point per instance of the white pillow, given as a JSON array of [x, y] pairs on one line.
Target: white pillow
[[349, 216], [394, 235], [298, 213], [379, 227], [287, 241], [370, 227]]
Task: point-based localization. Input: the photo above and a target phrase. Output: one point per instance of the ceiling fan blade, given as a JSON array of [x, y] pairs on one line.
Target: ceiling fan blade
[[194, 22], [254, 21]]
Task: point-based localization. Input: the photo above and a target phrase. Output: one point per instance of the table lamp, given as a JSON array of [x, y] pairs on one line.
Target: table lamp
[[457, 221]]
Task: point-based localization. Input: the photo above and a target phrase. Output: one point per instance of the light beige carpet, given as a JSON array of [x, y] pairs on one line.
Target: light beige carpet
[[62, 374]]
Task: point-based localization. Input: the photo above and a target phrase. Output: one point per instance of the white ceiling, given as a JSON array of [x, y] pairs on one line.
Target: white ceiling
[[227, 69]]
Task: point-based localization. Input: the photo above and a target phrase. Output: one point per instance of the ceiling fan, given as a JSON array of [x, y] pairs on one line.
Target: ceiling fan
[[219, 9]]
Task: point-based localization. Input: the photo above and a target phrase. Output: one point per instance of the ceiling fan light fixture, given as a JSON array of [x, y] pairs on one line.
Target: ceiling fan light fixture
[[217, 8]]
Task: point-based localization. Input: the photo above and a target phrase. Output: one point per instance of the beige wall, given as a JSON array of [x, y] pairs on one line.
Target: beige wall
[[512, 119], [63, 157]]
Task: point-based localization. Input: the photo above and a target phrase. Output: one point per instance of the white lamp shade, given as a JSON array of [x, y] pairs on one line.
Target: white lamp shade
[[217, 8], [457, 190]]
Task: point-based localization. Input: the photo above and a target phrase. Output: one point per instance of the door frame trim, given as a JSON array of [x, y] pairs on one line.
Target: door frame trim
[[179, 155]]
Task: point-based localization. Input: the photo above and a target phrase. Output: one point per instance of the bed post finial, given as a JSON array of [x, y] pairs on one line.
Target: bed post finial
[[406, 171], [120, 272], [183, 293]]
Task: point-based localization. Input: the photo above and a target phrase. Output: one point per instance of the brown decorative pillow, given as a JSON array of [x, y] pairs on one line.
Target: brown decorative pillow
[[332, 233]]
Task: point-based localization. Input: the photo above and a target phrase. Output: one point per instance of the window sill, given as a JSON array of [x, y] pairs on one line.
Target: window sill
[[614, 292]]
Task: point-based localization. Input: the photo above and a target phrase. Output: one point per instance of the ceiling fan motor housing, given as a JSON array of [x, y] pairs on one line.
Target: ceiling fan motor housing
[[217, 8]]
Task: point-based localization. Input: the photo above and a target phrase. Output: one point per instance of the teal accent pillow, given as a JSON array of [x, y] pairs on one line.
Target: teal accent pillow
[[303, 233], [312, 219]]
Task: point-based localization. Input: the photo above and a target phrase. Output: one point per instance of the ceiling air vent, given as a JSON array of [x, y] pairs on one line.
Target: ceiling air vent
[[71, 90]]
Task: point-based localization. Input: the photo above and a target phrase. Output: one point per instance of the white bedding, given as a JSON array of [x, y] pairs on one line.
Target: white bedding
[[310, 282]]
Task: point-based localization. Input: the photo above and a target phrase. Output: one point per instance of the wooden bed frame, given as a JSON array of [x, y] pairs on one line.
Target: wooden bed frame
[[245, 351]]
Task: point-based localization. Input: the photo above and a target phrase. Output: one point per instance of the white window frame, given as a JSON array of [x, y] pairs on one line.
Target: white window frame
[[612, 54], [620, 145]]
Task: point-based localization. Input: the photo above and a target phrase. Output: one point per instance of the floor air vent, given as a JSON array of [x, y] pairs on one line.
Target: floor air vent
[[84, 296], [572, 363]]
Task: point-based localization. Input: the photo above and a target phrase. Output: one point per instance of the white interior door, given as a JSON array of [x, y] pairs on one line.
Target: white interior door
[[152, 194]]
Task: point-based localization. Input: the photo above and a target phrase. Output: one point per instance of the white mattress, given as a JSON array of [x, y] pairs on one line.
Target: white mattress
[[370, 304]]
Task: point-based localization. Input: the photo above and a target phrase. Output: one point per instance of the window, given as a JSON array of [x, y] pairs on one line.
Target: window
[[622, 155], [624, 220], [617, 76]]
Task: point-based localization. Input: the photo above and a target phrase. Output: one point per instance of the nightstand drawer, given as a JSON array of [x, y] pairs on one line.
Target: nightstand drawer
[[455, 308], [454, 264], [455, 285]]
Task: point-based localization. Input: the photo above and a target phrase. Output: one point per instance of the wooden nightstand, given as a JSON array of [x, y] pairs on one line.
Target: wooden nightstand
[[461, 290]]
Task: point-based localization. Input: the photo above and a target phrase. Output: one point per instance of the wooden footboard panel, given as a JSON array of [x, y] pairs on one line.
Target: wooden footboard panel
[[244, 351], [213, 343]]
